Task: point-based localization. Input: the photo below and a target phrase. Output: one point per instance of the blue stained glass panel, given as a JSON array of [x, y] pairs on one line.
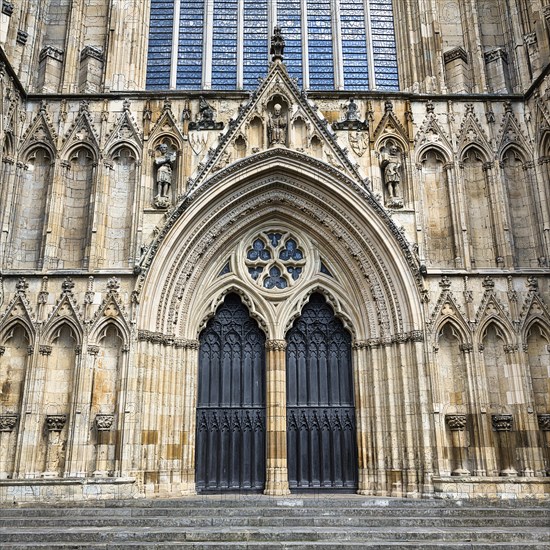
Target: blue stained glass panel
[[383, 44], [354, 45], [190, 44], [160, 45], [321, 63], [255, 47], [224, 45], [289, 16]]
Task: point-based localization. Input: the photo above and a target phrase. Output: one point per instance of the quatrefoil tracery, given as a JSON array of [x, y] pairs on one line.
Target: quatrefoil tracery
[[275, 261]]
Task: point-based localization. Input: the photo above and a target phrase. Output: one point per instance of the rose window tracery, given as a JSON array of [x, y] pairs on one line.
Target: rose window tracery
[[275, 260]]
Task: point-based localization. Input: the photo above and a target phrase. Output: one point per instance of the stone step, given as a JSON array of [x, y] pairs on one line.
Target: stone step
[[221, 520], [285, 546], [281, 535]]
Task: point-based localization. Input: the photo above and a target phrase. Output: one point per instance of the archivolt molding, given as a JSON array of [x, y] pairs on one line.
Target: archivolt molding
[[301, 167], [254, 205]]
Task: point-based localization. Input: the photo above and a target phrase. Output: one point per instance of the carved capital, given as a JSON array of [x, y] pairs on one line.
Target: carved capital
[[104, 422], [502, 422], [93, 350], [456, 422], [416, 336], [275, 345], [456, 53], [544, 422], [55, 422], [374, 343], [467, 347], [45, 349], [30, 350], [8, 422], [510, 348], [360, 344]]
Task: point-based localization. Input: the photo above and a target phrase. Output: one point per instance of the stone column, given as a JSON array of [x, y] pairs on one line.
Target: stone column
[[502, 424], [103, 424], [364, 451], [191, 369], [54, 450], [7, 426], [544, 425], [277, 470], [457, 425]]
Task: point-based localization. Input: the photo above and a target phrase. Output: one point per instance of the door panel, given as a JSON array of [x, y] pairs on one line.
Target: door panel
[[230, 451], [321, 431]]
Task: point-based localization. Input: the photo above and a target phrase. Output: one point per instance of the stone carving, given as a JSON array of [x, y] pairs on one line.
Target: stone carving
[[544, 422], [55, 422], [206, 119], [277, 45], [163, 162], [104, 422], [8, 422], [277, 127], [352, 120], [391, 168], [502, 422], [456, 422]]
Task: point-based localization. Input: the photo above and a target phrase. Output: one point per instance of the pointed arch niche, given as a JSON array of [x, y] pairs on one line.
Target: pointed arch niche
[[481, 229], [13, 368], [78, 182], [522, 214], [440, 242], [497, 370], [538, 353], [30, 213], [119, 208]]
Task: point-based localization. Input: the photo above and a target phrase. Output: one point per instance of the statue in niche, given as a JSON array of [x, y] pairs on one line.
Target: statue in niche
[[391, 169], [276, 127], [164, 162]]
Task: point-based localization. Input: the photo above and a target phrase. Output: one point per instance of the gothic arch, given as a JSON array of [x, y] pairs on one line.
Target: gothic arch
[[281, 190], [502, 325]]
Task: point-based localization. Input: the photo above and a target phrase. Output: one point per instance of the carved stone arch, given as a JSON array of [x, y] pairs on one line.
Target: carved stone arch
[[10, 325], [219, 214], [103, 322], [8, 145], [459, 326], [65, 312], [516, 149], [385, 138], [250, 301], [476, 149], [70, 151], [334, 298], [116, 146], [504, 329], [541, 324], [423, 151], [18, 311], [544, 144]]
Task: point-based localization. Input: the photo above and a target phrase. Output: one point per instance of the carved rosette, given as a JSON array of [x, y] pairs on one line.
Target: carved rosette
[[8, 422], [502, 422], [456, 422], [544, 422], [55, 422], [104, 422]]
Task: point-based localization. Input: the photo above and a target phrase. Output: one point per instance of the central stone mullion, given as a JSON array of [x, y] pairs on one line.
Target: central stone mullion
[[276, 452]]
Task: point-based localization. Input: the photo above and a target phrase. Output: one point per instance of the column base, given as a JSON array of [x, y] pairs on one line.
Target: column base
[[277, 482], [460, 472]]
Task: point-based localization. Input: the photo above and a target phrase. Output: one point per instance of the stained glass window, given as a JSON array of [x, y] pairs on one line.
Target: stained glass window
[[255, 47], [160, 45], [190, 44], [224, 45], [366, 58]]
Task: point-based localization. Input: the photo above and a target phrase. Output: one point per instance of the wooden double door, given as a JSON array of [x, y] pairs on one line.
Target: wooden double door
[[231, 411]]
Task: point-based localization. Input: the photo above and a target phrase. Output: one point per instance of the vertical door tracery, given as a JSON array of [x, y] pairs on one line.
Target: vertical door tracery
[[231, 401], [321, 432]]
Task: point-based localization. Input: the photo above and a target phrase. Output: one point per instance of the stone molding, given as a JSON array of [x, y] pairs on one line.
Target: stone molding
[[456, 53], [104, 422], [275, 345], [544, 422], [51, 51], [495, 55]]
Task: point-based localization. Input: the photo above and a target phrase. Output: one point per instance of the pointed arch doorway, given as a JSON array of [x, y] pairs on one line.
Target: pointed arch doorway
[[321, 429], [231, 425]]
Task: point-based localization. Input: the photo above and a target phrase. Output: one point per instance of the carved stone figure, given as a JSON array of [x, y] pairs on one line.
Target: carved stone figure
[[277, 45], [206, 119], [164, 163], [391, 167], [352, 112], [277, 126]]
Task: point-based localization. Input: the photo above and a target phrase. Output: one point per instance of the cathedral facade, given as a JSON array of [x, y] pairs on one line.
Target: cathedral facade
[[274, 246]]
